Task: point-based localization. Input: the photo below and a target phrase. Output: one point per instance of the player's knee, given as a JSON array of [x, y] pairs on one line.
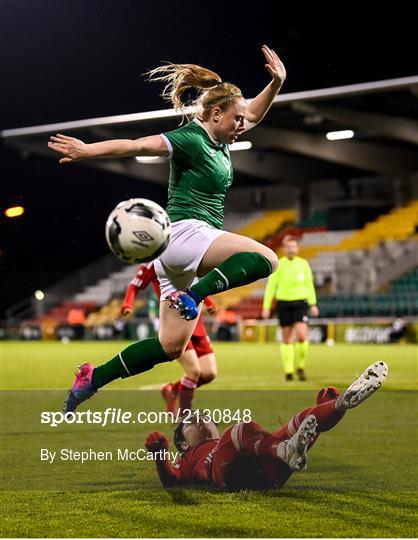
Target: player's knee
[[173, 353], [273, 259], [173, 350], [243, 433], [193, 372], [208, 376]]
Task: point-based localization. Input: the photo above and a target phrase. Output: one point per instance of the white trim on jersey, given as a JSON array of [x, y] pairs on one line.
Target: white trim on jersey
[[169, 145], [199, 123]]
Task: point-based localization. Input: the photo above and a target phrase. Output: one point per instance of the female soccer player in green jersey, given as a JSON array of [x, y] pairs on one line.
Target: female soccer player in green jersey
[[200, 175]]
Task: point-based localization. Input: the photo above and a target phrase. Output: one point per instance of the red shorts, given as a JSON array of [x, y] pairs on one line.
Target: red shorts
[[232, 469], [201, 344], [200, 328], [200, 341]]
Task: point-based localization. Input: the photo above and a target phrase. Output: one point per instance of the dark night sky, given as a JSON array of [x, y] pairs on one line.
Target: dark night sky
[[72, 59]]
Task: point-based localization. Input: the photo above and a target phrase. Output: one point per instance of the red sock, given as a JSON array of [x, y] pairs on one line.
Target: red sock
[[253, 440], [326, 415], [175, 386], [187, 387]]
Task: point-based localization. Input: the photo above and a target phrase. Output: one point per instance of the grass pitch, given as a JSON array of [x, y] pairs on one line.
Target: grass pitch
[[361, 478]]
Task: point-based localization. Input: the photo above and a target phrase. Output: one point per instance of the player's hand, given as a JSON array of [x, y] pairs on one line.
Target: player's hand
[[156, 441], [314, 311], [274, 65], [71, 148], [265, 314], [126, 310]]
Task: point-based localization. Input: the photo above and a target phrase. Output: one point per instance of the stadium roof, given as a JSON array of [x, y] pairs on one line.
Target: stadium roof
[[289, 146]]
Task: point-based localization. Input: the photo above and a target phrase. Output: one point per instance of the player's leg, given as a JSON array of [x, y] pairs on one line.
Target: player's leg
[[199, 367], [208, 368], [190, 380], [287, 352], [183, 390], [326, 414], [253, 440], [204, 350], [298, 435], [301, 348], [233, 260], [230, 261], [276, 459], [229, 452], [136, 358], [169, 393], [331, 406]]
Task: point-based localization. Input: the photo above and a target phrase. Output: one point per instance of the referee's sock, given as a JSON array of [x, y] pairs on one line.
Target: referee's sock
[[136, 358], [301, 353], [239, 269], [287, 353]]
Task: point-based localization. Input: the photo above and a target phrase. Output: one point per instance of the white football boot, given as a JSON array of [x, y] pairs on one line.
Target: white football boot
[[363, 387], [293, 451]]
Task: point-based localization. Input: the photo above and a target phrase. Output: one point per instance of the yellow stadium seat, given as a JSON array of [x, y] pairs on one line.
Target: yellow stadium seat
[[269, 223]]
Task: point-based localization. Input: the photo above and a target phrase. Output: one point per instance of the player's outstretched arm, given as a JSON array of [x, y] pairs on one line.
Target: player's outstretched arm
[[157, 443], [73, 149], [128, 301], [210, 305], [142, 279], [259, 106]]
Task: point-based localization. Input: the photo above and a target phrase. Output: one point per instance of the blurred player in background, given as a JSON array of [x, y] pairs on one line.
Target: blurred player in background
[[246, 456], [198, 360], [293, 288]]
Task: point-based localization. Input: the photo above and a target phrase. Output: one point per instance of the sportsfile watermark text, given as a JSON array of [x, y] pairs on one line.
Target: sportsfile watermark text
[[112, 416]]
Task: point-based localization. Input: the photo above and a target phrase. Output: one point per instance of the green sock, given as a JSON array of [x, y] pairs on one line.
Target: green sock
[[239, 269], [301, 352], [287, 354], [136, 358]]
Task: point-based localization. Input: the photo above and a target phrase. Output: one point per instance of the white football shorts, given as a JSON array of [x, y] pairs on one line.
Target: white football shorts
[[176, 268]]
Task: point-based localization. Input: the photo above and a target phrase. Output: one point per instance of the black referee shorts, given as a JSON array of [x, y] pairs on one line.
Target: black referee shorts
[[290, 313]]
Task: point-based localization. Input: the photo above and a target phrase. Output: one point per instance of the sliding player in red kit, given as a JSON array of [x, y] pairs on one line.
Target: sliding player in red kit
[[246, 456], [198, 360]]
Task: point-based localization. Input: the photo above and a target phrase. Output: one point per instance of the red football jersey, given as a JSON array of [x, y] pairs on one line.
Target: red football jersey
[[195, 464]]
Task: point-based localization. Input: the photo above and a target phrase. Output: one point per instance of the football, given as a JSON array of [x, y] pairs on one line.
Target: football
[[138, 230]]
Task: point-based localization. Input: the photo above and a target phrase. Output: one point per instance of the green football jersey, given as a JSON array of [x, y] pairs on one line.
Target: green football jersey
[[200, 175], [153, 305]]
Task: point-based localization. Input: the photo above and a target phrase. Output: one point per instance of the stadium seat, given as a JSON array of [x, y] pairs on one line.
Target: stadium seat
[[268, 224]]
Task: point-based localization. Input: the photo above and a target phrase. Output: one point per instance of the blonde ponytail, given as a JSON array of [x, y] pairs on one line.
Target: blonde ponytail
[[178, 78]]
